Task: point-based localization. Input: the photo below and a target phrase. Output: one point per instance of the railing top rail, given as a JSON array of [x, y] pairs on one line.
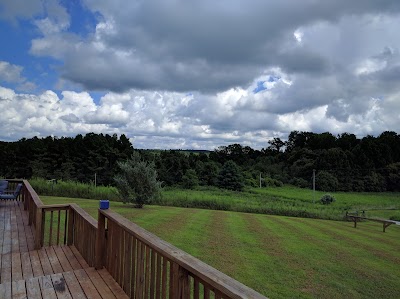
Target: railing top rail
[[85, 215], [56, 206], [208, 274]]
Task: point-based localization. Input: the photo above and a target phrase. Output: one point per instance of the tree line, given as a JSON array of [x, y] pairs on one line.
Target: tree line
[[341, 163]]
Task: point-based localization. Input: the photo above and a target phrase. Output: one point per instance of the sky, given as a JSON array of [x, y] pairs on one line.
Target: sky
[[179, 74]]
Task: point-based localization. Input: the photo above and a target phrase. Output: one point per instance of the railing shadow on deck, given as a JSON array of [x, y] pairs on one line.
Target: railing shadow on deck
[[144, 265]]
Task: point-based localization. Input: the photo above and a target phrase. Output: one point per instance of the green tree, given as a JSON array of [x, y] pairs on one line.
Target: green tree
[[230, 177], [326, 181], [190, 179], [137, 181]]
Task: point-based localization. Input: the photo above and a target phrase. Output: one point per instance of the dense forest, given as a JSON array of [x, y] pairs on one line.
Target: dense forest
[[341, 163]]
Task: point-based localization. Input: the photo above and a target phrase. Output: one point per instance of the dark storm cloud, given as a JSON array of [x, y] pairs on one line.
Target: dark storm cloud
[[204, 46]]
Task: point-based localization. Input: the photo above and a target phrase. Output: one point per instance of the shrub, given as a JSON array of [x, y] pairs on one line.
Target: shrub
[[327, 199]]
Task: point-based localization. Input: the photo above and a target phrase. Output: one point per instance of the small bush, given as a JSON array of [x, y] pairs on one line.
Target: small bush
[[327, 199]]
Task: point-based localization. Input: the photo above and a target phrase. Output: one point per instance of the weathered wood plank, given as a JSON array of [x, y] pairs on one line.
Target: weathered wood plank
[[33, 288], [53, 259], [5, 290], [71, 258], [112, 284], [74, 286], [86, 284], [66, 266], [46, 287], [79, 257], [26, 265], [44, 260], [36, 264], [18, 289], [6, 268], [60, 286], [16, 268], [100, 284]]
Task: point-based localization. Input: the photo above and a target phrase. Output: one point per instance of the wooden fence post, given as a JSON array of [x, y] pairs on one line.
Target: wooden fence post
[[100, 240]]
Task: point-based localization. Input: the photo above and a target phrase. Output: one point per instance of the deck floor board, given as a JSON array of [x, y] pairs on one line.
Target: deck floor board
[[53, 272]]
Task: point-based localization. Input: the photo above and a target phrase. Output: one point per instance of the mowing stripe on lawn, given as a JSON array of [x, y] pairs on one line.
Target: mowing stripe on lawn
[[284, 265], [190, 232], [262, 271], [379, 250], [333, 259], [371, 231], [219, 249]]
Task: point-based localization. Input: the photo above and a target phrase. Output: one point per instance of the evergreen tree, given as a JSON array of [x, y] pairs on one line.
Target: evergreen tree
[[137, 181], [230, 177]]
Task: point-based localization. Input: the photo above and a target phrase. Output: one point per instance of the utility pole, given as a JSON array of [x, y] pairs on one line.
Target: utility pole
[[95, 179], [313, 184], [260, 179]]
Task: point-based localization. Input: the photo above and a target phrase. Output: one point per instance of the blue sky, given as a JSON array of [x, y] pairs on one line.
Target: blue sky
[[173, 74]]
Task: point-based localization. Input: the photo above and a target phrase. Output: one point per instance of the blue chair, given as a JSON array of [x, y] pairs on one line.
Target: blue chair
[[3, 186], [13, 195]]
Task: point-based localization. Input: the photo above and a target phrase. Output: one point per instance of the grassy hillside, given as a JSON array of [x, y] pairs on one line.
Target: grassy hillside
[[281, 257]]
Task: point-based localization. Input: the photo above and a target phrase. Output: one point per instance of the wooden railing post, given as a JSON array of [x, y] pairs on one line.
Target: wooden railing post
[[70, 237], [180, 282], [25, 197], [100, 240], [38, 228]]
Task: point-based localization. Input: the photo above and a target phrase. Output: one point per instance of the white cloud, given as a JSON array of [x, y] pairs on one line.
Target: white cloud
[[10, 72], [168, 120], [182, 74]]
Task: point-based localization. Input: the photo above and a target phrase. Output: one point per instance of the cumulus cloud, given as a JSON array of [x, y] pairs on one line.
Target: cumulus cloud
[[12, 74], [180, 74], [209, 47], [180, 120]]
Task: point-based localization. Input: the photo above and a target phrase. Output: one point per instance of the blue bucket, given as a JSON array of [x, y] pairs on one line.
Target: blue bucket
[[104, 204]]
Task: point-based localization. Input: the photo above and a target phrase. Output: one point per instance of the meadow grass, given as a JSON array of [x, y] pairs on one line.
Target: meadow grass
[[285, 201], [279, 256]]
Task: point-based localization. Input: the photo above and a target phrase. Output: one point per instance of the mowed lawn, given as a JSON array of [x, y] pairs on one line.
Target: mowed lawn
[[280, 257]]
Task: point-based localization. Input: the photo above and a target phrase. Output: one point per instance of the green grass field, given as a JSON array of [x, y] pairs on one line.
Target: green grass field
[[287, 201], [279, 256]]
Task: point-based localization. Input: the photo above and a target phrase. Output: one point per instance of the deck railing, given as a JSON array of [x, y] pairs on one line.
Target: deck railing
[[144, 265]]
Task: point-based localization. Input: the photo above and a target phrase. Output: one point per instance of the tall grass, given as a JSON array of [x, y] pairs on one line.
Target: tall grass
[[73, 189], [285, 201]]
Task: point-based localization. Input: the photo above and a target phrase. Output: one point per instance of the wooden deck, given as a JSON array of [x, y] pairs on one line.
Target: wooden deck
[[51, 272]]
